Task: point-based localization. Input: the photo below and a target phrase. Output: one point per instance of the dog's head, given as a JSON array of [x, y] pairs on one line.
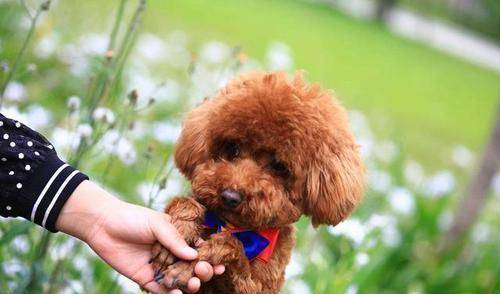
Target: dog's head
[[266, 150]]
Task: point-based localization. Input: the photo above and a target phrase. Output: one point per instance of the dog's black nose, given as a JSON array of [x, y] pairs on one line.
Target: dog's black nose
[[231, 198]]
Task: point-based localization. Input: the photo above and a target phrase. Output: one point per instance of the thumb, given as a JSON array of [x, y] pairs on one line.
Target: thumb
[[167, 235]]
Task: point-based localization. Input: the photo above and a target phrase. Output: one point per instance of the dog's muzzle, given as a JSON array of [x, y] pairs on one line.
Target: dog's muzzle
[[231, 198]]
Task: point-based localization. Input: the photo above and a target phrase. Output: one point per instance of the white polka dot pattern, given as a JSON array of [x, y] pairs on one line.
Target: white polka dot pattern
[[34, 182]]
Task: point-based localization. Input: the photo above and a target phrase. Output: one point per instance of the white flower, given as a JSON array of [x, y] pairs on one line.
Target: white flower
[[402, 201], [113, 143], [73, 286], [166, 132], [80, 262], [462, 156], [104, 115], [151, 48], [362, 258], [93, 44], [11, 267], [391, 236], [127, 154], [440, 184], [359, 124], [215, 52], [495, 184], [386, 151], [387, 224], [352, 289], [72, 55], [46, 46], [173, 187], [38, 117], [21, 243], [296, 265], [84, 130], [58, 251], [169, 91], [366, 146], [279, 57], [12, 112], [63, 139], [298, 287], [15, 91], [380, 221], [25, 22], [481, 233], [351, 228], [379, 180], [149, 190], [74, 103], [317, 257], [414, 173], [110, 140]]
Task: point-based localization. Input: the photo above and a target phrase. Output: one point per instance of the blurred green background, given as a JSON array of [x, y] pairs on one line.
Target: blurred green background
[[422, 118]]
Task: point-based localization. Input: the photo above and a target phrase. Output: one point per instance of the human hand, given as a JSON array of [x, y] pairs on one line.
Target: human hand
[[123, 235]]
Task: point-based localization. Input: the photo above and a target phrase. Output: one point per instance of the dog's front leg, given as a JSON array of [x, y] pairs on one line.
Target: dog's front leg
[[187, 217], [220, 248]]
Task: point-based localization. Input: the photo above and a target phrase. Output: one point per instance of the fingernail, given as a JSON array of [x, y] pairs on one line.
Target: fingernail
[[191, 252], [207, 268]]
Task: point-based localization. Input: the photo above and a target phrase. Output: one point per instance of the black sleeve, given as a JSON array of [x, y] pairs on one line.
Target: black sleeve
[[34, 182]]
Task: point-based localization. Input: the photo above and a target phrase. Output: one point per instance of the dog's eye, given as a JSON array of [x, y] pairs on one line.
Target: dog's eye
[[278, 167], [230, 150]]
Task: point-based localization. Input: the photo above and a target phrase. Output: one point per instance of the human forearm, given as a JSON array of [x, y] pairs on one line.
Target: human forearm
[[82, 214]]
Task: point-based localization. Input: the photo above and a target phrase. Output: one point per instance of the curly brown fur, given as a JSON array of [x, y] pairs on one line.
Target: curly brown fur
[[286, 148]]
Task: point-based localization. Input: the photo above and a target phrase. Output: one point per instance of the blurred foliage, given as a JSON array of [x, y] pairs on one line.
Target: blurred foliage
[[478, 15], [388, 245]]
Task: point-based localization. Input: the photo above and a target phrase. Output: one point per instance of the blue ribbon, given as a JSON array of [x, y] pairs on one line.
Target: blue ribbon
[[253, 242]]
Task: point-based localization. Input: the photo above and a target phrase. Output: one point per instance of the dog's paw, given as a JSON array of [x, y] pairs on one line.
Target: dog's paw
[[178, 274], [161, 258]]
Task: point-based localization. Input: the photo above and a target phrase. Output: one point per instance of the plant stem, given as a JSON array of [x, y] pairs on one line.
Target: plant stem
[[111, 71], [53, 284], [34, 20], [36, 266], [116, 25]]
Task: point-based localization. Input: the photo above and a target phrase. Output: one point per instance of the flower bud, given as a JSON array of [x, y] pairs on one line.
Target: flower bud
[[74, 103], [104, 115]]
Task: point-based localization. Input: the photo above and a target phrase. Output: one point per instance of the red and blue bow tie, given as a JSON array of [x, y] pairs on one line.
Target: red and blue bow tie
[[257, 244]]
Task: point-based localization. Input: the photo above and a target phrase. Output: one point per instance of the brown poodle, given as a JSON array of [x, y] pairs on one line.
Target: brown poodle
[[261, 153]]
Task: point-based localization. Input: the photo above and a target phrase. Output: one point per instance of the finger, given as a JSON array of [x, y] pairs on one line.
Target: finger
[[168, 236], [155, 288], [219, 269], [204, 271], [175, 291], [193, 285]]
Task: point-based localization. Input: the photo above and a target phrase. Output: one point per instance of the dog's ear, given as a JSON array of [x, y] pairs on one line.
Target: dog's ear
[[191, 148], [334, 185]]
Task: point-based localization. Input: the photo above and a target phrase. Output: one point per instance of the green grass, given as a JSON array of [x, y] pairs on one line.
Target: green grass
[[425, 99]]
